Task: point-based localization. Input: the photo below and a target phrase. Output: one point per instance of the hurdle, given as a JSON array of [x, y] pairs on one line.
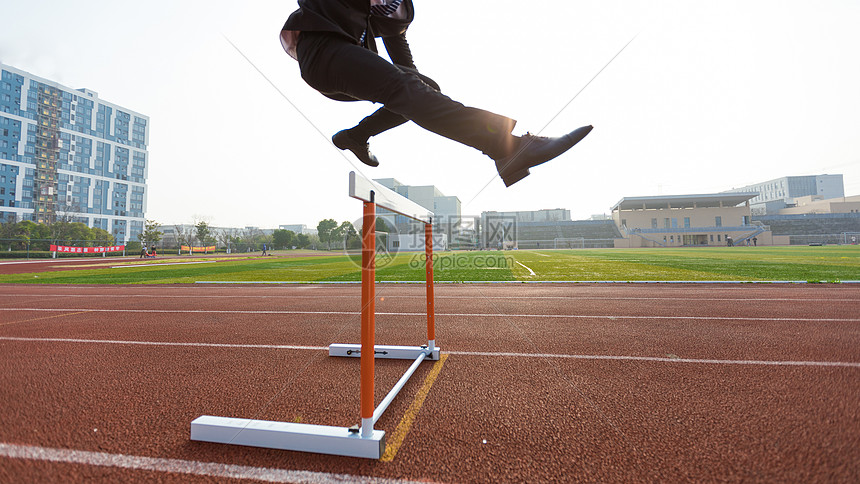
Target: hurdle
[[360, 440]]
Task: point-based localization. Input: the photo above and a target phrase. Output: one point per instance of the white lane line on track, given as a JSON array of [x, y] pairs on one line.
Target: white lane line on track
[[617, 282], [661, 359], [457, 353], [459, 315], [531, 272], [393, 296], [166, 343], [178, 466]]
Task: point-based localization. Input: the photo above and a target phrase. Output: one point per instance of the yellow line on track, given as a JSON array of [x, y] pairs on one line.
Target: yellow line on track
[[46, 317], [405, 424]]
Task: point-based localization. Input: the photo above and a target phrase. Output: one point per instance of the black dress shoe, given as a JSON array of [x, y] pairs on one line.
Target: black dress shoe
[[534, 150], [344, 141]]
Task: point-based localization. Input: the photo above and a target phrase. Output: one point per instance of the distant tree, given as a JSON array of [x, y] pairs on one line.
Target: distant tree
[[250, 236], [79, 234], [9, 222], [58, 231], [202, 232], [7, 228], [235, 241], [102, 237], [21, 233], [183, 236], [62, 227], [324, 231], [381, 226], [302, 241], [70, 233], [283, 239], [346, 235], [261, 239], [151, 234], [227, 237]]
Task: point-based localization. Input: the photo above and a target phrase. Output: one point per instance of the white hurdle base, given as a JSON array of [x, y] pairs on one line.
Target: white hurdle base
[[383, 351], [320, 439]]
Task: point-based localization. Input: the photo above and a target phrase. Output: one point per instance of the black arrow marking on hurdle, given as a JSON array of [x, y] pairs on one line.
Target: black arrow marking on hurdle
[[358, 352]]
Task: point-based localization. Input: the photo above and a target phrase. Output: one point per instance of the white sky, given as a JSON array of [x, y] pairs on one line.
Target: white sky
[[709, 96]]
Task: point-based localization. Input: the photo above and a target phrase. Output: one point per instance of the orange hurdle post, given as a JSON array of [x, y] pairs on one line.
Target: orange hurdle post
[[431, 310], [368, 314]]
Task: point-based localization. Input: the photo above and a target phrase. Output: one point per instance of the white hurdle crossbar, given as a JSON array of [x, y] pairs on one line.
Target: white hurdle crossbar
[[363, 440]]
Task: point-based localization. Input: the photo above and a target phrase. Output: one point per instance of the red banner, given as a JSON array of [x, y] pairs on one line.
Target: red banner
[[87, 250]]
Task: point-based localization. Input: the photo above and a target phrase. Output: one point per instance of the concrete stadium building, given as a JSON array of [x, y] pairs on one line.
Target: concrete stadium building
[[689, 220]]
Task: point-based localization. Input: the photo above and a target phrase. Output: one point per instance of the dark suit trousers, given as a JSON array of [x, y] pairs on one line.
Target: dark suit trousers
[[383, 119], [344, 71]]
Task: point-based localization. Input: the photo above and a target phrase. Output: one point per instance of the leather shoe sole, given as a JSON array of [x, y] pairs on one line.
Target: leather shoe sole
[[344, 141]]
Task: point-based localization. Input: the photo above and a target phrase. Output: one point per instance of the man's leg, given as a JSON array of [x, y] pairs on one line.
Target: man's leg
[[382, 120], [344, 71], [355, 139], [338, 68]]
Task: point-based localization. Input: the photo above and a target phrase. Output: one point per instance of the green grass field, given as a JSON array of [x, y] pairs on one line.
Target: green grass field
[[815, 264]]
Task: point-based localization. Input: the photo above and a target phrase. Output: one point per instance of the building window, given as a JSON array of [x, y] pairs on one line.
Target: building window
[[686, 222], [718, 221], [653, 223], [667, 223]]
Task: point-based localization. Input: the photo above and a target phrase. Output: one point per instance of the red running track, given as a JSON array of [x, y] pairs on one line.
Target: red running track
[[580, 382]]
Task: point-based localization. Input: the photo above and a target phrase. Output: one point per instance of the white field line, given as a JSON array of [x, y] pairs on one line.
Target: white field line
[[159, 264], [458, 353], [458, 315], [531, 272], [63, 260], [178, 466]]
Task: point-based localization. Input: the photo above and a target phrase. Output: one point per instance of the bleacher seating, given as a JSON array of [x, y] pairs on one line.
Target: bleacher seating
[[601, 233], [812, 224]]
